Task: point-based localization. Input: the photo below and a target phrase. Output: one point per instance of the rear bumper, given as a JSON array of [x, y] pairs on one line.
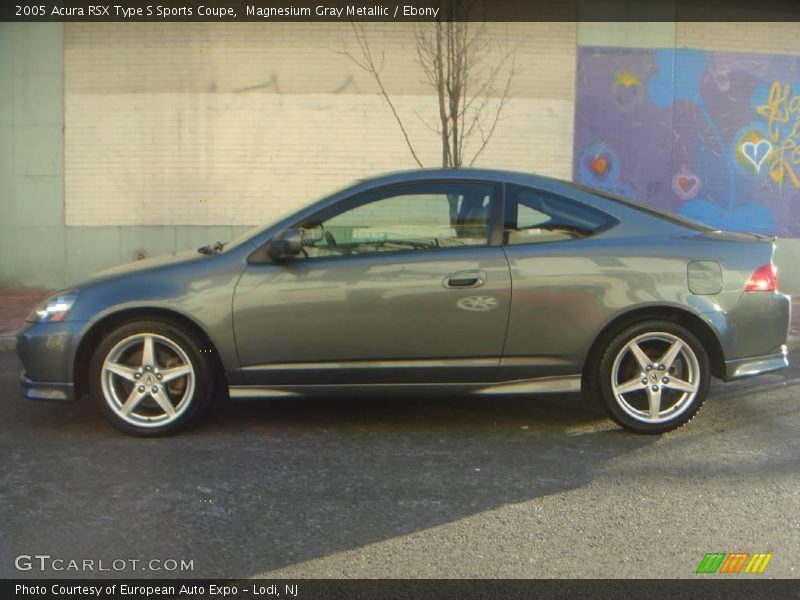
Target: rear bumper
[[756, 365], [758, 326], [38, 390]]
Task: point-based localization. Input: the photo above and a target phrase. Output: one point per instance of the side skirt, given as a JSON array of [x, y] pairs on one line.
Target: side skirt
[[543, 385]]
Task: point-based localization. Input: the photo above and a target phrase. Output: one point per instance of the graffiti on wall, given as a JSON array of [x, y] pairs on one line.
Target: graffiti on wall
[[714, 136]]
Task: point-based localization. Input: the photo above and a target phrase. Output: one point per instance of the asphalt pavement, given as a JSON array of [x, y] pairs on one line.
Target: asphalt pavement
[[402, 487]]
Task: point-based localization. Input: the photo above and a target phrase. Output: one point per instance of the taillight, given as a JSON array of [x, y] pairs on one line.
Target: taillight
[[765, 279]]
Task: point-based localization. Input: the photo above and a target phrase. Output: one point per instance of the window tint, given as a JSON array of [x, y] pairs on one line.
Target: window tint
[[649, 209], [418, 217], [534, 216]]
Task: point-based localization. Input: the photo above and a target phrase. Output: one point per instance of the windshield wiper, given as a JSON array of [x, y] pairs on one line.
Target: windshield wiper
[[214, 248]]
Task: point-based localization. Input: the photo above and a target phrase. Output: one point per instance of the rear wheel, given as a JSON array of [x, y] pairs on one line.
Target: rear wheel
[[653, 376], [150, 378]]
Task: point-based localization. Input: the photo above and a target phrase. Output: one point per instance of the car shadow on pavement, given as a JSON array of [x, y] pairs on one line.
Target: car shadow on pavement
[[262, 485]]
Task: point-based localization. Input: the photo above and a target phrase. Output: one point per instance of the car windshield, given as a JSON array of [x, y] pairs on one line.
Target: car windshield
[[249, 233], [646, 208], [284, 213]]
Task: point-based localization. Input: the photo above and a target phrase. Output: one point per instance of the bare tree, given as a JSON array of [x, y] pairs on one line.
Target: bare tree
[[456, 57]]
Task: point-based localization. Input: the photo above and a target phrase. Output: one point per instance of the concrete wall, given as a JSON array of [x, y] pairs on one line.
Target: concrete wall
[[32, 233], [37, 248], [233, 123], [175, 135], [121, 138]]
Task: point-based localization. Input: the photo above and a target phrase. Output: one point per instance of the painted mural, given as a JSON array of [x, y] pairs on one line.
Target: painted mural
[[714, 136]]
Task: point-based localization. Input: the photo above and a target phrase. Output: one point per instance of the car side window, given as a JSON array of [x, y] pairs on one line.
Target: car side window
[[419, 217], [535, 216]]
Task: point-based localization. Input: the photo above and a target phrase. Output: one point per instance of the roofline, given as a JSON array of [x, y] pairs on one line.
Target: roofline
[[427, 173]]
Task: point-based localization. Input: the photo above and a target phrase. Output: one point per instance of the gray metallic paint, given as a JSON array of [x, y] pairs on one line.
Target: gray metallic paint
[[380, 307], [387, 318]]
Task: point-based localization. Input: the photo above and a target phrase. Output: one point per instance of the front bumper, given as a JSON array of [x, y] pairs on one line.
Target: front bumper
[[47, 352], [38, 390], [756, 365]]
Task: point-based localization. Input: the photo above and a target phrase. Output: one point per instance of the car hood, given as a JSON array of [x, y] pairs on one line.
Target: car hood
[[148, 264]]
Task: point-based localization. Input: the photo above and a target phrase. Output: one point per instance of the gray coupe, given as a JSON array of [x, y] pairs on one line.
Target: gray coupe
[[463, 281]]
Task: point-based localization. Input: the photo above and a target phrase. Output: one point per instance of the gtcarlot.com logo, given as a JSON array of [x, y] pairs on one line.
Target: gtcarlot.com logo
[[46, 562], [734, 562]]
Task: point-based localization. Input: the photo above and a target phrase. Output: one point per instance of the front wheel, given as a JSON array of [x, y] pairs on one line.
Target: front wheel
[[150, 378], [654, 376]]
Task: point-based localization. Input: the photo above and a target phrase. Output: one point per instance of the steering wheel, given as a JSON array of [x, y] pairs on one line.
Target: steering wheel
[[329, 239]]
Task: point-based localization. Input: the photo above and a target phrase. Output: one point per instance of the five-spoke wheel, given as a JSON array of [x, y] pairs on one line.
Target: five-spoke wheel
[[150, 378], [654, 376]]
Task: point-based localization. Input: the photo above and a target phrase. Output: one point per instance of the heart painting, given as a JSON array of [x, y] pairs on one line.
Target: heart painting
[[686, 183], [599, 164], [757, 152]]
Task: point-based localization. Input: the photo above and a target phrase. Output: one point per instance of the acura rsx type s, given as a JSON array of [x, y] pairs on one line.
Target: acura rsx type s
[[468, 281]]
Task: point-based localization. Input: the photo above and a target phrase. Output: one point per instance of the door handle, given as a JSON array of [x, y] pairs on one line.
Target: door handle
[[465, 279], [462, 281]]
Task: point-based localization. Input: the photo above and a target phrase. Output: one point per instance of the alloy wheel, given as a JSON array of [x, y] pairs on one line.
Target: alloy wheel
[[147, 380], [655, 377]]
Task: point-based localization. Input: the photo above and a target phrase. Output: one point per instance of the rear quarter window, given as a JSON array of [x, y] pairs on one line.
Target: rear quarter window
[[647, 209], [535, 216]]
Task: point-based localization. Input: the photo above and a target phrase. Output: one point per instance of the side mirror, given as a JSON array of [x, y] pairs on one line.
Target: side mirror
[[287, 243]]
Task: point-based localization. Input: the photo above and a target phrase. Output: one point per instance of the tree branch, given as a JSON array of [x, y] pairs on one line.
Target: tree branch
[[500, 105], [454, 55], [367, 63]]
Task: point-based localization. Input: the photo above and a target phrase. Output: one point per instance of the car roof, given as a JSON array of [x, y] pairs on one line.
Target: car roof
[[424, 174], [620, 209]]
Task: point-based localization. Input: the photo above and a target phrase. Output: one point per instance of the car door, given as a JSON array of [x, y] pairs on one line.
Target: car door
[[399, 285], [558, 269]]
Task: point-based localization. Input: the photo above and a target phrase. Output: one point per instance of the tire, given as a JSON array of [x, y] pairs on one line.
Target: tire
[[155, 394], [653, 377]]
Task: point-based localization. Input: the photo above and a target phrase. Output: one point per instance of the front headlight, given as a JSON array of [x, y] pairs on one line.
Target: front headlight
[[54, 308]]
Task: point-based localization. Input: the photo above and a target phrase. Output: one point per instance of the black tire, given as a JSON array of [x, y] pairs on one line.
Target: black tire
[[173, 348], [618, 364]]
